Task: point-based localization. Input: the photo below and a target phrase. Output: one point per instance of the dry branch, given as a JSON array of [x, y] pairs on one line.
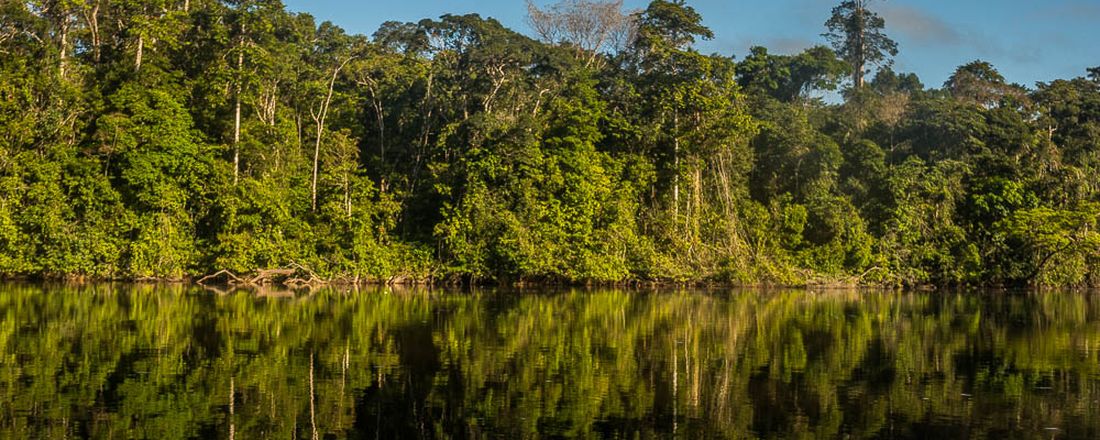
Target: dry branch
[[230, 276]]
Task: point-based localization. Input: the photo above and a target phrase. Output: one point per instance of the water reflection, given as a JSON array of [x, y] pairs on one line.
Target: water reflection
[[175, 362]]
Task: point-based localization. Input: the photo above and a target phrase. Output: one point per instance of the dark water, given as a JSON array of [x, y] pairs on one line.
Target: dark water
[[173, 362]]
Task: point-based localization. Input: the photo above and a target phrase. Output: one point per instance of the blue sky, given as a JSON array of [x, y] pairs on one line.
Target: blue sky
[[1027, 40]]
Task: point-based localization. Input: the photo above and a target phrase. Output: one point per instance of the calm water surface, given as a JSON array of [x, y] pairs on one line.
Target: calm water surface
[[178, 362]]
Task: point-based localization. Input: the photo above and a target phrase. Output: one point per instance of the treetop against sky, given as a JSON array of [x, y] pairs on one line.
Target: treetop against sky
[[1028, 41]]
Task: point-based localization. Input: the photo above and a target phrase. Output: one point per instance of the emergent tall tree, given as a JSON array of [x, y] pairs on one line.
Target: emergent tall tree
[[857, 34]]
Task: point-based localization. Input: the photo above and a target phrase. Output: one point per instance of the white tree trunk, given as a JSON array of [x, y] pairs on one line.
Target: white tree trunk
[[64, 45], [676, 167], [319, 119], [237, 122], [92, 17], [140, 49]]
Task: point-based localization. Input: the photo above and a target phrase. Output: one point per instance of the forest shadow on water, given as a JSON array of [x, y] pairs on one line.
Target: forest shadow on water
[[167, 362]]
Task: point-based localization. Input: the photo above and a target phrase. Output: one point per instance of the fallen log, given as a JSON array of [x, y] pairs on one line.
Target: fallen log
[[271, 275], [231, 278]]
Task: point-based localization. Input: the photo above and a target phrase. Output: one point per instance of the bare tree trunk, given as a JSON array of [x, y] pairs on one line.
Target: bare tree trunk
[[319, 119], [268, 103], [237, 112], [237, 141], [381, 119], [140, 49], [676, 167], [316, 162], [64, 44], [186, 6], [92, 17], [538, 102], [696, 197], [498, 83], [862, 51]]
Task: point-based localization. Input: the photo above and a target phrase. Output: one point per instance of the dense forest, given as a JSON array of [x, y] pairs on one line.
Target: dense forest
[[172, 138]]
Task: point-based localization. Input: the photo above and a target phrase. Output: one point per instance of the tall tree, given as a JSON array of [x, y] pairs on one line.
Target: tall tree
[[669, 25], [857, 34], [669, 69], [590, 26]]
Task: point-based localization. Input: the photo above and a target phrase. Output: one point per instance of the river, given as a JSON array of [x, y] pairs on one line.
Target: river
[[178, 362]]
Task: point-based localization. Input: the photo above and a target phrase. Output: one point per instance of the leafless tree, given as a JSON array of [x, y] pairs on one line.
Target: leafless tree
[[591, 26]]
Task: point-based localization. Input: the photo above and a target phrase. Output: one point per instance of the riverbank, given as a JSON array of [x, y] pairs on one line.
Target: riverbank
[[302, 278]]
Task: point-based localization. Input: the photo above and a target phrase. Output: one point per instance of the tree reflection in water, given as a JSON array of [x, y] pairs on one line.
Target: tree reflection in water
[[173, 362]]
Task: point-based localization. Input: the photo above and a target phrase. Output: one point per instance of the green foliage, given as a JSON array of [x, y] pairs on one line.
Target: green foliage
[[670, 25], [856, 33], [978, 82], [788, 78], [154, 139], [1059, 246]]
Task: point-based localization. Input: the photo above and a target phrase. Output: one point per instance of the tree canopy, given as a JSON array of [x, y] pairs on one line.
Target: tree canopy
[[857, 33], [172, 139]]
